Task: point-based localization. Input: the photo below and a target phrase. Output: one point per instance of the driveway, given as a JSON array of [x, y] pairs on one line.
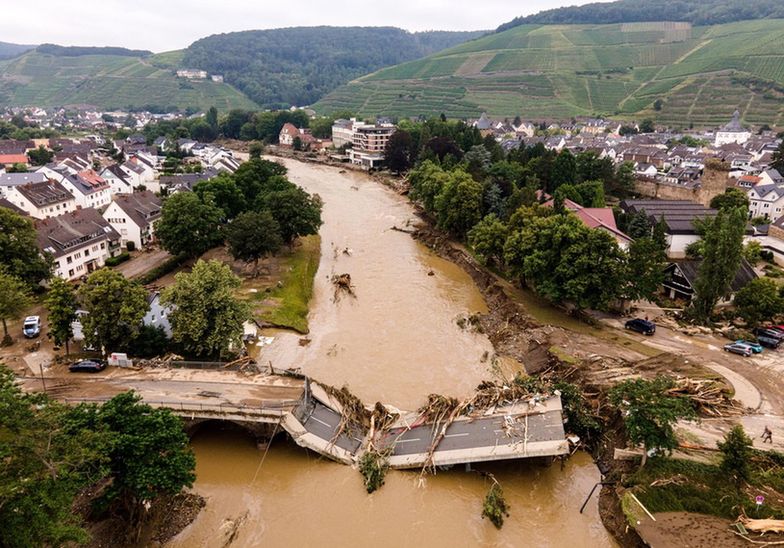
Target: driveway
[[142, 263]]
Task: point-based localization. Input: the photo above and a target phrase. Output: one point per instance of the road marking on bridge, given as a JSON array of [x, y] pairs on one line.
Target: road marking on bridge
[[408, 440], [456, 435], [321, 421]]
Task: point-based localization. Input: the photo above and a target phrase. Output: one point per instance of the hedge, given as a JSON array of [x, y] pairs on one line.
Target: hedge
[[119, 259], [162, 269]]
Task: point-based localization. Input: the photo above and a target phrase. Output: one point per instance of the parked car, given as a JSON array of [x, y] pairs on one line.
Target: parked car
[[31, 327], [755, 347], [87, 366], [768, 338], [641, 326], [772, 333], [736, 348]]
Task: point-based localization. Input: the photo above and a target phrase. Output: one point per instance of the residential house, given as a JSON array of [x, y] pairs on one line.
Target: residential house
[[134, 216], [599, 218], [771, 177], [42, 200], [10, 160], [184, 182], [158, 315], [119, 181], [288, 133], [680, 276], [767, 200], [9, 180], [8, 205], [79, 242], [678, 217], [89, 188]]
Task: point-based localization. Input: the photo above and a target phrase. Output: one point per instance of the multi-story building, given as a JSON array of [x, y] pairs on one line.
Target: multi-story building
[[134, 217], [79, 242], [767, 200], [89, 188], [42, 200], [10, 180], [733, 132]]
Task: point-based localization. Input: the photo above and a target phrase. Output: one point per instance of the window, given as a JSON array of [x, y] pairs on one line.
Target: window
[[70, 273], [68, 259], [86, 252]]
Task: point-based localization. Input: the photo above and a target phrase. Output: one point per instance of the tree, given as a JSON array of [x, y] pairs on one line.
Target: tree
[[427, 180], [40, 156], [657, 105], [212, 119], [646, 268], [722, 254], [188, 226], [61, 303], [255, 150], [478, 160], [752, 252], [296, 212], [459, 204], [399, 151], [14, 300], [564, 170], [252, 176], [730, 199], [646, 126], [297, 143], [207, 317], [736, 452], [253, 235], [759, 300], [47, 460], [150, 456], [649, 412], [115, 307], [487, 238], [639, 226], [224, 193], [778, 158], [19, 252]]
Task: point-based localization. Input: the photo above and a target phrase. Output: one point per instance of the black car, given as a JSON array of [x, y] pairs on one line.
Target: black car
[[87, 366], [772, 333], [641, 326]]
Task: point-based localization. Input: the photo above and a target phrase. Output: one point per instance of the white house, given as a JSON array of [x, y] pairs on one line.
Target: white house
[[10, 180], [134, 216], [42, 200], [119, 181], [767, 200], [157, 315], [733, 132], [79, 242], [89, 188]]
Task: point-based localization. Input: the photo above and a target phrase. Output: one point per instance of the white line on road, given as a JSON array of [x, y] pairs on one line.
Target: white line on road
[[456, 435], [408, 441], [321, 421]]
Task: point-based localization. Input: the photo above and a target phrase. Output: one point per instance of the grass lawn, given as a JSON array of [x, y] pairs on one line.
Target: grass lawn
[[284, 302]]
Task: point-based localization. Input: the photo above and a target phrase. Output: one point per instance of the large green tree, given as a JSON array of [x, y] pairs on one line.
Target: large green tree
[[399, 151], [564, 171], [487, 238], [722, 252], [188, 225], [14, 300], [427, 180], [736, 453], [296, 212], [459, 204], [252, 176], [207, 316], [224, 193], [253, 235], [759, 300], [19, 252], [46, 461], [649, 412], [115, 307], [61, 303], [150, 456], [730, 199], [646, 268]]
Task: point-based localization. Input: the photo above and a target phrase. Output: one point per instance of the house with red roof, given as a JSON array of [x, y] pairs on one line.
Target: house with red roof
[[600, 218], [9, 160]]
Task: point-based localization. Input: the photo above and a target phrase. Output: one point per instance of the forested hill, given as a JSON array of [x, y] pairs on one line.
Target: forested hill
[[8, 50], [697, 12], [298, 66], [78, 51]]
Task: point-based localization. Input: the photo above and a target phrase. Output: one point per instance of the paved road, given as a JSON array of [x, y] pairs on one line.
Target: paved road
[[142, 263], [323, 422], [485, 432]]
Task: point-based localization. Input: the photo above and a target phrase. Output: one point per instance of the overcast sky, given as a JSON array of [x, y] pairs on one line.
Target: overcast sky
[[162, 25]]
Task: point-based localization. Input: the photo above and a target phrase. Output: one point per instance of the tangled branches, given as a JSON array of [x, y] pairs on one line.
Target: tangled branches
[[495, 508]]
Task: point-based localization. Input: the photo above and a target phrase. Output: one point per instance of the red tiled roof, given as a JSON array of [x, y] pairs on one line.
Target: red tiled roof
[[92, 177], [13, 158]]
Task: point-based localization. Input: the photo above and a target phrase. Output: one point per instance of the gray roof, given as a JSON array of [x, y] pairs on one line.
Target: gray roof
[[8, 205], [764, 190], [743, 276], [678, 215], [142, 207], [59, 235], [15, 179], [43, 194]]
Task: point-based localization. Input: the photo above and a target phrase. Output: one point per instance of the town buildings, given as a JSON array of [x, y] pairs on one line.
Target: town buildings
[[733, 132], [134, 216], [42, 200]]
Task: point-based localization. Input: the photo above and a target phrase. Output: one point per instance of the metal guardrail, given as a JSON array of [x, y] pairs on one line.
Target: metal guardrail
[[265, 408]]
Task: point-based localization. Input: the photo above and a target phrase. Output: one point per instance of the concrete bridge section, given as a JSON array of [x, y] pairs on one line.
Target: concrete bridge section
[[314, 419]]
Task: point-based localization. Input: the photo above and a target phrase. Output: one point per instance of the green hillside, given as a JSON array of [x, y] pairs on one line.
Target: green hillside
[[108, 81], [701, 74]]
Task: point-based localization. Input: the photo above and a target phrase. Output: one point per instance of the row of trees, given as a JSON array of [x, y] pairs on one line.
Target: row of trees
[[256, 210], [546, 248], [52, 452]]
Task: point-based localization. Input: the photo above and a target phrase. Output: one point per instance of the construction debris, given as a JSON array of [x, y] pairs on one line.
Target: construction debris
[[342, 283], [160, 361]]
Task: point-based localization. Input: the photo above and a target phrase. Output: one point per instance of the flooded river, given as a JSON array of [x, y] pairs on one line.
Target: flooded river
[[396, 342]]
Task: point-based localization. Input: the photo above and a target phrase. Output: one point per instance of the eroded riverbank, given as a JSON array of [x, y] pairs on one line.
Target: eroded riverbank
[[398, 341]]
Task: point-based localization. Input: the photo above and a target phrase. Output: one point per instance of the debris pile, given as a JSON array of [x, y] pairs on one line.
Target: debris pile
[[159, 361], [342, 283], [495, 508], [373, 466], [708, 397]]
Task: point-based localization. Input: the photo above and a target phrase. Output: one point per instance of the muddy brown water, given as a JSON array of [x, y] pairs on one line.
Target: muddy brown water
[[396, 342]]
